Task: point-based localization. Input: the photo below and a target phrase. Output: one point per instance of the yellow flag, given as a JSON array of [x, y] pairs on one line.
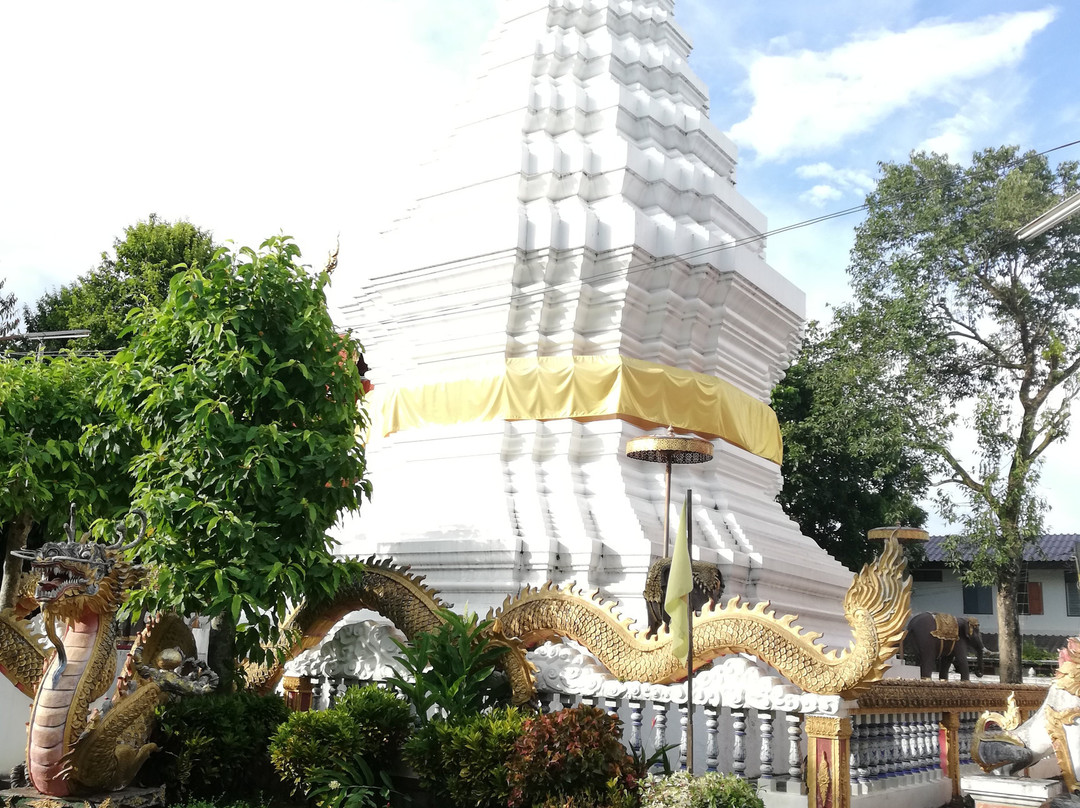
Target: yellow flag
[[676, 602]]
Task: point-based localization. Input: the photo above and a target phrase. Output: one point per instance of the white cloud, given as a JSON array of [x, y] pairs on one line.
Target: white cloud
[[809, 100], [956, 136], [841, 182], [820, 194]]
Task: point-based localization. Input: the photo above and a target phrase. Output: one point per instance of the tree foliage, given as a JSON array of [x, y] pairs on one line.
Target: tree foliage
[[980, 329], [44, 408], [848, 464], [146, 259], [246, 398], [9, 319]]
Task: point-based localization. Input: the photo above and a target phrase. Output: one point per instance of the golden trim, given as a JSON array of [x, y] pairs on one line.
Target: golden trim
[[669, 449], [901, 533], [1006, 722], [823, 779], [824, 726], [929, 695]]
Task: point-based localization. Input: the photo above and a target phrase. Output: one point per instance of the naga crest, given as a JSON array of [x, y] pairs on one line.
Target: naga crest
[[77, 575]]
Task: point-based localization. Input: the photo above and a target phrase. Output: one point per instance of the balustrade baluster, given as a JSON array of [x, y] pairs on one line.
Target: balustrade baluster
[[765, 726], [712, 746], [907, 752], [895, 732], [928, 744], [918, 744], [660, 708], [794, 732], [935, 741], [861, 731], [876, 750], [588, 701], [964, 738], [738, 750], [684, 723], [635, 726], [316, 692], [611, 704]]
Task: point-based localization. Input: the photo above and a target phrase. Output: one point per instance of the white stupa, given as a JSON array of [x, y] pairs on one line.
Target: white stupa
[[578, 269]]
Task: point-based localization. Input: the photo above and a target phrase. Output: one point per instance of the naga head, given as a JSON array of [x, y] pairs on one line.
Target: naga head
[[76, 575]]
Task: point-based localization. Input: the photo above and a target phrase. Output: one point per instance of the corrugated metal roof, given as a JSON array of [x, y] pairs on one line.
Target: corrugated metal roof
[[1052, 547]]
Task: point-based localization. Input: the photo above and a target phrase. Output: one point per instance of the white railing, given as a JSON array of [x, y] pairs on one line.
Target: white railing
[[909, 740]]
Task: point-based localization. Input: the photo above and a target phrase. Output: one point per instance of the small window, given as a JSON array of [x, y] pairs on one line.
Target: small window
[[1072, 594], [978, 600], [930, 576], [1033, 602]]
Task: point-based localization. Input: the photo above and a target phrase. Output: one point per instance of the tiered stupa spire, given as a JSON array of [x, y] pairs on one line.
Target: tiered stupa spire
[[578, 266]]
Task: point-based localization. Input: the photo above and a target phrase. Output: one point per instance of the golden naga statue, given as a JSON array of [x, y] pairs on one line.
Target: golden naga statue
[[82, 585], [877, 606]]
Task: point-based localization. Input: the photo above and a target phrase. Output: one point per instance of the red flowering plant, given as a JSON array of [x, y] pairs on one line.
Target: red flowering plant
[[573, 757]]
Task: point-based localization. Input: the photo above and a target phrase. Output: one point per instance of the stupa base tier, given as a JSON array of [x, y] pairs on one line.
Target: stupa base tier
[[485, 509]]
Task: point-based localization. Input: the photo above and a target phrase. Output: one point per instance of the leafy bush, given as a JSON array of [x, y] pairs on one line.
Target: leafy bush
[[712, 790], [216, 747], [1034, 653], [350, 784], [367, 724], [450, 672], [383, 722], [572, 757], [462, 761]]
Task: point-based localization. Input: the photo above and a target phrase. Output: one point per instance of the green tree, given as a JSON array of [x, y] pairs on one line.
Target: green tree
[[848, 464], [246, 398], [968, 320], [44, 408], [9, 320], [146, 259]]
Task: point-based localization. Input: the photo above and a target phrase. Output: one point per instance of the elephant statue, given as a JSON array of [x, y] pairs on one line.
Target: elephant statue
[[941, 641], [708, 588]]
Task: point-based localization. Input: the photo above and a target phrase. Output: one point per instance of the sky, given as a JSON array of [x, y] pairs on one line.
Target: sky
[[254, 118]]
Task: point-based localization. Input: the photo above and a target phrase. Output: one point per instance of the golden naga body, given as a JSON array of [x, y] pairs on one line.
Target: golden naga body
[[876, 606]]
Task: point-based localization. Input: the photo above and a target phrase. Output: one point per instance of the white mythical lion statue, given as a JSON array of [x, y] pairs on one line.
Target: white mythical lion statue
[[1055, 727]]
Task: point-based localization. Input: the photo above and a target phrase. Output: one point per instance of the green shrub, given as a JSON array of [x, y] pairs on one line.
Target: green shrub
[[383, 722], [310, 741], [216, 747], [713, 790], [350, 784], [572, 757], [450, 672], [462, 761], [364, 730], [1034, 653]]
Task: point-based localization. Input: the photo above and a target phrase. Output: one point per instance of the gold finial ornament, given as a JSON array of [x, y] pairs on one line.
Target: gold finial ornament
[[903, 534]]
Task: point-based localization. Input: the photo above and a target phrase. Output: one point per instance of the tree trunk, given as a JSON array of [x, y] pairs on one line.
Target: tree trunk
[[17, 531], [1009, 650], [221, 652]]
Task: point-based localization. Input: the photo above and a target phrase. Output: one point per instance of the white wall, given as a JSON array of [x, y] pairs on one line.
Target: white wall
[[14, 713], [947, 596]]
